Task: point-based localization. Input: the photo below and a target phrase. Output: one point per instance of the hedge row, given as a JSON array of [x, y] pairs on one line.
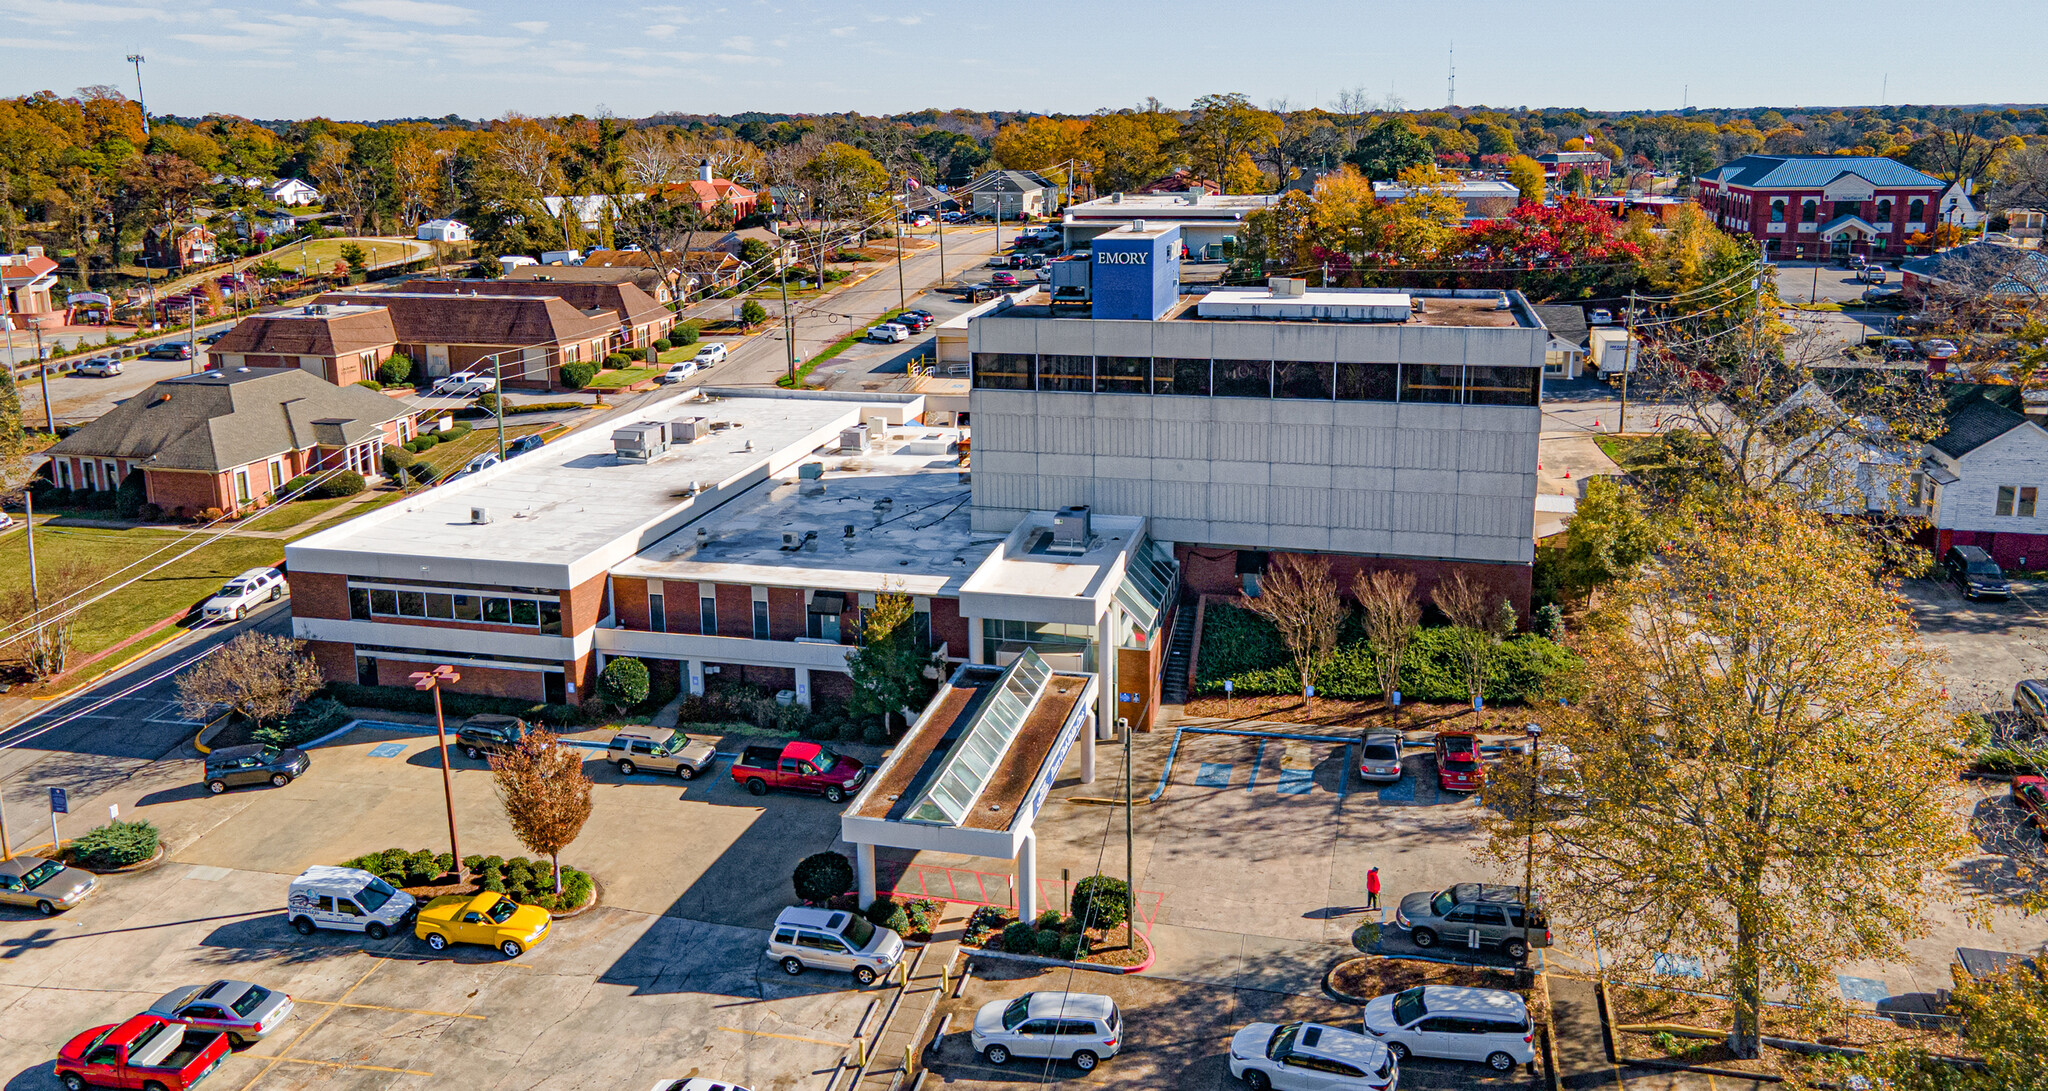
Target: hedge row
[[528, 882], [454, 706], [1243, 648]]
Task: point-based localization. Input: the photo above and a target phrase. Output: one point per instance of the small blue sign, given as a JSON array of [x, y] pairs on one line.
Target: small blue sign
[[58, 803], [1122, 696], [1869, 990], [1670, 965]]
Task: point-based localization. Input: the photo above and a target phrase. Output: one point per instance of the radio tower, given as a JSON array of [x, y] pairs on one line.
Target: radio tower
[[1454, 75]]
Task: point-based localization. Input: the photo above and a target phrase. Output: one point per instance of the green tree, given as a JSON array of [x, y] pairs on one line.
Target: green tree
[[1761, 747], [821, 877], [888, 668], [1389, 148], [752, 313], [355, 256], [623, 683], [2004, 1019], [1223, 130], [1526, 175], [395, 369], [1609, 538]]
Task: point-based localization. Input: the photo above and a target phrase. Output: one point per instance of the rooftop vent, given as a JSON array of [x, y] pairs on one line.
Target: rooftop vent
[[641, 442], [1116, 198], [1287, 286], [1501, 304], [1137, 225], [1070, 531], [479, 515], [703, 537]]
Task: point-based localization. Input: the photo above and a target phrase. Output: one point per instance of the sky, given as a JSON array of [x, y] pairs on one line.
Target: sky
[[377, 59]]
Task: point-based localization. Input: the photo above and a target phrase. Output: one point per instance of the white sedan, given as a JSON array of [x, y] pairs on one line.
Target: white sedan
[[244, 593], [710, 354], [464, 384]]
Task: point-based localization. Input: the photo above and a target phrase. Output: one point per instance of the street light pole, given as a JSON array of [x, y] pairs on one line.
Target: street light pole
[[432, 681], [1535, 732], [1130, 868]]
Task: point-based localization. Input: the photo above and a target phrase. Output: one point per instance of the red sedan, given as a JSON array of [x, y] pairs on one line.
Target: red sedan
[[1458, 768], [2031, 795]]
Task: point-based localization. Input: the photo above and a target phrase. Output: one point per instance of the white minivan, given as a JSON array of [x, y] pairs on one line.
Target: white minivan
[[833, 939], [348, 900], [1460, 1024]]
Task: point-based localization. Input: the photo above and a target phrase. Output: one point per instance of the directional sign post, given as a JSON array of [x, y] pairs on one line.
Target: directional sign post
[[58, 805]]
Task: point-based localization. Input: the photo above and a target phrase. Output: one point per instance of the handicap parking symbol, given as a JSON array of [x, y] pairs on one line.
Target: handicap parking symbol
[[387, 750]]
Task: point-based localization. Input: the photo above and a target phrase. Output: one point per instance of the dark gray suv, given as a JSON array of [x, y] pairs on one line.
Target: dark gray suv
[[235, 766], [1473, 915], [1974, 573]]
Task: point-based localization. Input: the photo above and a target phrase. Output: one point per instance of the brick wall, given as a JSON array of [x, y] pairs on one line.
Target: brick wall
[[735, 610], [629, 602], [1214, 571], [786, 619], [583, 605], [949, 628], [183, 493], [485, 681], [337, 662], [319, 594]]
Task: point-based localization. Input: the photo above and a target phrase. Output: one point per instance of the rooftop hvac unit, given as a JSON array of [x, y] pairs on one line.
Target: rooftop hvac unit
[[479, 515], [853, 439], [640, 442], [687, 429], [1070, 530]]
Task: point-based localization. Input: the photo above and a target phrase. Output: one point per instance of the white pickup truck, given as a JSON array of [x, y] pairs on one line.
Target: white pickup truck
[[244, 593]]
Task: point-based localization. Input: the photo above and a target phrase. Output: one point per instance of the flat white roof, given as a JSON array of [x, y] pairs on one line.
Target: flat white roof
[[1353, 303], [920, 542], [1169, 207], [571, 509], [1028, 580]]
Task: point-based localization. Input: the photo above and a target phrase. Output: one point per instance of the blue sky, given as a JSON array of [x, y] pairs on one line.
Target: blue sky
[[370, 59]]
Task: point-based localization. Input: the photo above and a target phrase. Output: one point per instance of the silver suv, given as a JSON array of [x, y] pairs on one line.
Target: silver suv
[[660, 750], [1474, 915], [833, 939]]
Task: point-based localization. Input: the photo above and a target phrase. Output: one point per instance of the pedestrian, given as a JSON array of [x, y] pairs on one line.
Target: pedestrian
[[1372, 888]]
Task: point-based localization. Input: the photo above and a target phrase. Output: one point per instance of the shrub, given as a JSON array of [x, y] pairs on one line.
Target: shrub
[[488, 400], [623, 683], [132, 496], [397, 460], [1020, 938], [396, 370], [421, 868], [661, 344], [368, 384], [116, 844], [1048, 920], [752, 313], [576, 376], [395, 699], [1241, 646], [874, 734], [685, 334], [821, 876], [1073, 947], [453, 432], [1099, 900], [1048, 943], [295, 486], [576, 888], [345, 483], [309, 721], [616, 360], [422, 471]]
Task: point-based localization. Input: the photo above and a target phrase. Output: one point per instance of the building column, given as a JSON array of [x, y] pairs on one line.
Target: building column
[[1105, 671], [803, 686], [1027, 877], [864, 872], [973, 639], [696, 671]]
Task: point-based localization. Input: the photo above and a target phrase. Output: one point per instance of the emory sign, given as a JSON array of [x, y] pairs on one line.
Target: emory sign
[[1120, 257]]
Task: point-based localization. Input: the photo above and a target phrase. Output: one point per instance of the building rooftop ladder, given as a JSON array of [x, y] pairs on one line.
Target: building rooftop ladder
[[983, 743]]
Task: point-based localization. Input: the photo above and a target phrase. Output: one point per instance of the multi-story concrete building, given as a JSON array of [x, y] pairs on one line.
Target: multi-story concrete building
[[1821, 205]]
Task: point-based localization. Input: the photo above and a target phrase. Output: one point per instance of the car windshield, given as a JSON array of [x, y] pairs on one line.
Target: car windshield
[[1282, 1042], [502, 911], [857, 931], [375, 895], [1381, 751], [1442, 903], [1460, 761], [248, 1001], [232, 588], [1408, 1007], [1984, 568], [1016, 1011], [825, 760], [40, 874], [676, 741]]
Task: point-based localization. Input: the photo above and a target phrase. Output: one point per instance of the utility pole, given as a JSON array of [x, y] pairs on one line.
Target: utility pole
[[1628, 355], [136, 60], [498, 395], [43, 372], [902, 300], [192, 328], [788, 327], [432, 681], [1535, 732]]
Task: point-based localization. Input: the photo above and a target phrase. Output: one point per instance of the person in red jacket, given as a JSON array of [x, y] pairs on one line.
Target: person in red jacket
[[1372, 888]]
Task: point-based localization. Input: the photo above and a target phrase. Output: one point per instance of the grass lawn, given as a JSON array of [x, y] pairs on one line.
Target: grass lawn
[[831, 350], [681, 353], [623, 377], [292, 513], [451, 457], [1634, 453], [321, 254]]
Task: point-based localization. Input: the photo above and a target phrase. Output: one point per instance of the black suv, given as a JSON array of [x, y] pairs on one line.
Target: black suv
[[1974, 573], [234, 766], [490, 733]]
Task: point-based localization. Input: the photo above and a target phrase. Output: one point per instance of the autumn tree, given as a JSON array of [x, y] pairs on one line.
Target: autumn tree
[[1526, 175], [1570, 249], [2002, 1018], [1223, 130], [545, 793], [255, 675], [1387, 603], [1760, 739], [1131, 147], [1477, 618], [1610, 536], [844, 182], [888, 668], [1299, 597], [1423, 225]]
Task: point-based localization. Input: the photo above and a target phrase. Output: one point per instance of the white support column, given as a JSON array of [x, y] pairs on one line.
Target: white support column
[[974, 640], [696, 677], [803, 686], [1088, 747], [1105, 671], [1027, 877], [864, 872]]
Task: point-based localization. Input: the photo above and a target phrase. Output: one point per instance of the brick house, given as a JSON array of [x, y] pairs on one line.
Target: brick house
[[637, 317], [229, 439], [603, 267], [530, 336], [341, 344], [174, 246], [1558, 164], [1821, 205]]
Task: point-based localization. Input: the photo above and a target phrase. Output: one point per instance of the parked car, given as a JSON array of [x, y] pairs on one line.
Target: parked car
[[697, 1083], [489, 733], [1884, 297], [889, 333], [1937, 348], [1600, 316], [2030, 700], [1004, 280], [921, 313], [915, 323], [999, 261], [487, 920], [214, 337], [1974, 573], [523, 444], [171, 350], [660, 750], [678, 372], [1490, 1026], [347, 899], [46, 886], [99, 367], [147, 1051], [1379, 756], [833, 939], [2030, 795], [481, 462], [710, 354], [1032, 261], [1080, 1027], [244, 593], [1474, 915], [1871, 274], [1898, 348], [236, 766], [1311, 1057], [244, 1011], [799, 766], [462, 384], [1458, 767]]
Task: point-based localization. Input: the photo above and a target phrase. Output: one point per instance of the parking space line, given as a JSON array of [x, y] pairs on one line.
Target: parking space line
[[312, 1026], [356, 1067], [789, 1037], [381, 1007]]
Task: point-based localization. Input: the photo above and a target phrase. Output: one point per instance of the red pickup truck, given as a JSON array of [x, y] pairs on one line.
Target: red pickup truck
[[147, 1051], [799, 767]]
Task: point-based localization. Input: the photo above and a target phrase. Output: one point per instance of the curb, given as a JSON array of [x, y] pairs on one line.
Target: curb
[[163, 853], [596, 897], [199, 740], [1151, 953]]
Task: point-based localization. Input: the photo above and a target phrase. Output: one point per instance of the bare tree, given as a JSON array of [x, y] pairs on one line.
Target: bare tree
[[1387, 600], [546, 795], [654, 158], [1963, 145], [38, 634], [1298, 595], [257, 675], [1475, 613]]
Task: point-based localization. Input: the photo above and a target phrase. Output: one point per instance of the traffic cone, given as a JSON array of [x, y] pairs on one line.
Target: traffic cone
[[1567, 475]]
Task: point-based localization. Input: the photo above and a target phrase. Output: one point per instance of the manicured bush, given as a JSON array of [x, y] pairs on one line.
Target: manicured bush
[[132, 495], [317, 717], [422, 471], [821, 876], [369, 384], [488, 400], [295, 486], [685, 334], [1072, 947], [623, 682], [455, 705], [1020, 938], [1047, 943], [396, 370], [1243, 647], [576, 888], [616, 360], [1048, 920], [116, 844], [345, 483], [396, 460], [661, 344], [578, 375], [752, 313], [1099, 901]]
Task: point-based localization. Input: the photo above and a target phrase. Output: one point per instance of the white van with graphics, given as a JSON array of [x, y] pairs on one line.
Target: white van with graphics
[[348, 900]]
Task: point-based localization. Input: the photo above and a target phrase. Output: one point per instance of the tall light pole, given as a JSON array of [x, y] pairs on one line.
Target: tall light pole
[[432, 681], [136, 60], [1535, 732]]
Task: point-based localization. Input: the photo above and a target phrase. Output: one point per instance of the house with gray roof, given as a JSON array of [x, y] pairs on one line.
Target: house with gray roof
[[1011, 193], [1565, 355], [229, 440], [1979, 269], [1983, 478], [1821, 206]]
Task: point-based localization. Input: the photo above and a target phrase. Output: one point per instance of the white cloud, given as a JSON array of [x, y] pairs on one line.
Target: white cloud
[[843, 32], [910, 20], [659, 31], [534, 27], [738, 44], [411, 11]]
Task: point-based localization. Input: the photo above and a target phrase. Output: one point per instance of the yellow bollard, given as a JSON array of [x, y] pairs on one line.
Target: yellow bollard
[[946, 978], [860, 1053], [909, 1055]]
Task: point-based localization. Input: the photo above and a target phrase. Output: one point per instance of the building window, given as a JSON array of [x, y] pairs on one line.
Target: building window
[[1438, 383], [1809, 209], [2006, 495], [1003, 371], [1916, 491], [441, 605], [707, 615], [760, 619], [1884, 212], [86, 480], [467, 608], [822, 626], [63, 475], [1172, 375], [1778, 211], [1495, 385], [2025, 508], [1122, 374], [359, 603], [242, 486], [1244, 379], [1075, 374], [276, 475], [1302, 379], [657, 613], [1847, 208], [1367, 382]]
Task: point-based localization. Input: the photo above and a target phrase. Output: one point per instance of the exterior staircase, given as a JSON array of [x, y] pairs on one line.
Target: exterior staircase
[[1173, 689]]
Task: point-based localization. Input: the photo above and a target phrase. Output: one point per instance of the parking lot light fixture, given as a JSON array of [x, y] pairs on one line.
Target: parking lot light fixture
[[431, 682], [1535, 733]]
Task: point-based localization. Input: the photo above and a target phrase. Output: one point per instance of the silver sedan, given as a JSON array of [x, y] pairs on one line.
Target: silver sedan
[[44, 885], [243, 1011]]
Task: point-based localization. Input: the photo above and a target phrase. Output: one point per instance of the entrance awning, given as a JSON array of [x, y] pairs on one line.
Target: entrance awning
[[1854, 226]]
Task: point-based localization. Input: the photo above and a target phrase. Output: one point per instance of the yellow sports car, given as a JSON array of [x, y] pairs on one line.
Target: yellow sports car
[[492, 920]]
